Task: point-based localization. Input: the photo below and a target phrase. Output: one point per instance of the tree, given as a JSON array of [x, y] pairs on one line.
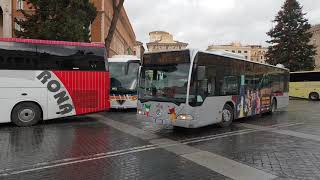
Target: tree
[[290, 39], [116, 14], [67, 20]]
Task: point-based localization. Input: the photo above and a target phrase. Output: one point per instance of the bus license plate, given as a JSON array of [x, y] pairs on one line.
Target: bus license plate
[[161, 121]]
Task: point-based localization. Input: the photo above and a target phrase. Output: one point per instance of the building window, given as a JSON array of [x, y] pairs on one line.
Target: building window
[[246, 57], [233, 51], [245, 51], [19, 4], [239, 51], [261, 57]]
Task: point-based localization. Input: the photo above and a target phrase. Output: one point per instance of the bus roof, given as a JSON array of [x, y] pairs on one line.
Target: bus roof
[[316, 71], [218, 54], [49, 42]]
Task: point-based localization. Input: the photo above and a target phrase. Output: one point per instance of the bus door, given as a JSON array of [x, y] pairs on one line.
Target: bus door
[[265, 93]]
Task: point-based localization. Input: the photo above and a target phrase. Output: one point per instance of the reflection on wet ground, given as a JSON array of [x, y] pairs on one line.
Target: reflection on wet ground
[[86, 148]]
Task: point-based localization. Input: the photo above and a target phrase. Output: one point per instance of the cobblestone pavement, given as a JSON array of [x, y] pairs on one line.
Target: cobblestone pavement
[[115, 145]]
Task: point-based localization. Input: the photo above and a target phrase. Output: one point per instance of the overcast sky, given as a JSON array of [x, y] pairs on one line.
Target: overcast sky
[[204, 22]]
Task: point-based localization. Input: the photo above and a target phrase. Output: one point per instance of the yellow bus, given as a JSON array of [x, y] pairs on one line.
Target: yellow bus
[[305, 84]]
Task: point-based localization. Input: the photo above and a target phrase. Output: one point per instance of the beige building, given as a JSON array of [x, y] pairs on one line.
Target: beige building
[[251, 52], [315, 40], [138, 49], [6, 18], [161, 41]]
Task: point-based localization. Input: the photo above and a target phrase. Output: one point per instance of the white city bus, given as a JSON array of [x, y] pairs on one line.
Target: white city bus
[[124, 79], [41, 80], [192, 88]]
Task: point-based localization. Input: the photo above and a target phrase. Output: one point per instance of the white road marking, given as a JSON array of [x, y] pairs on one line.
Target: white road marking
[[179, 148], [128, 128], [284, 132], [298, 134], [73, 162], [228, 167], [217, 163], [174, 146], [159, 143]]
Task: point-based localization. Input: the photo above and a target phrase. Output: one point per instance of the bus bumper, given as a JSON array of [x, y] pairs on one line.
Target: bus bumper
[[167, 122]]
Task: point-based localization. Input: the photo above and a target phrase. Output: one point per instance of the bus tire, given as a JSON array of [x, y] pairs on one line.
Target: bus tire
[[314, 96], [227, 116], [26, 114], [273, 107]]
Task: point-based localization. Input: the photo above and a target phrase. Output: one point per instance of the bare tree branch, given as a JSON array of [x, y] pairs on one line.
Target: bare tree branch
[[114, 4], [116, 14]]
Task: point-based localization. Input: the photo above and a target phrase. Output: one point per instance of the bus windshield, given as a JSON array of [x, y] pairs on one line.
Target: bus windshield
[[164, 83], [164, 76], [124, 77]]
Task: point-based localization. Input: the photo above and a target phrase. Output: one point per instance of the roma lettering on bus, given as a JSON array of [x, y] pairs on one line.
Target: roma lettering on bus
[[54, 86]]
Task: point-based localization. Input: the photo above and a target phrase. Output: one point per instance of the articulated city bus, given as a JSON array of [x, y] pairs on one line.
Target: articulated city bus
[[305, 84], [41, 80], [191, 88], [124, 79]]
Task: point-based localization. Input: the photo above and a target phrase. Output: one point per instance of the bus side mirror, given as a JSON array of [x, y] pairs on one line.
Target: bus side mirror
[[201, 73]]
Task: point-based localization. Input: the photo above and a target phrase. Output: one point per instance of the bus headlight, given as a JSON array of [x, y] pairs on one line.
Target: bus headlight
[[140, 112], [185, 117]]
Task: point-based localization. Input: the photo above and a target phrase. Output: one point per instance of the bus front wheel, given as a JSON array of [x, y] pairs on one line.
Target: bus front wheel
[[26, 114], [227, 116], [314, 96]]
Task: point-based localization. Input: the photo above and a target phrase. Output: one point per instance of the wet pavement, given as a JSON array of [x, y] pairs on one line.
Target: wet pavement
[[115, 145]]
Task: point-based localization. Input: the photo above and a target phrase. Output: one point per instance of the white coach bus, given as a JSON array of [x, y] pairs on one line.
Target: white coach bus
[[41, 80], [124, 79], [191, 88]]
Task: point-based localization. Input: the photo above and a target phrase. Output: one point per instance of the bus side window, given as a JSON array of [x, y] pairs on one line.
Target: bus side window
[[211, 74], [10, 64], [277, 83], [2, 63], [266, 82], [250, 82], [19, 62], [212, 86], [230, 85]]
